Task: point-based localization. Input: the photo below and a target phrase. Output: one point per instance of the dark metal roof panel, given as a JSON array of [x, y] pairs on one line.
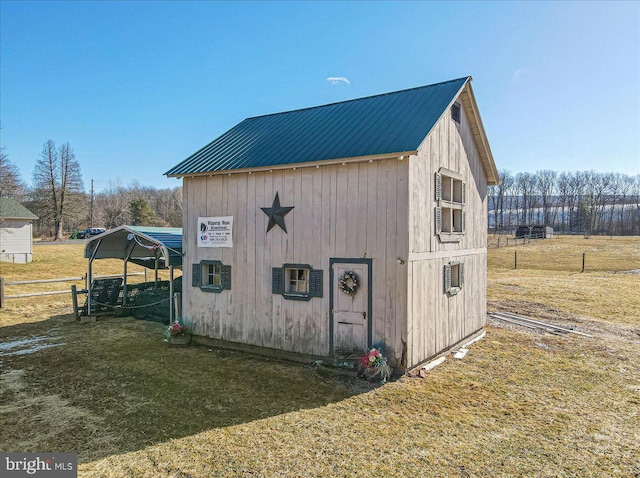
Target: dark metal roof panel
[[383, 124], [116, 243]]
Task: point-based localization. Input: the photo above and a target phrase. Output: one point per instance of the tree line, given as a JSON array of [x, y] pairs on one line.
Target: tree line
[[57, 196], [585, 202]]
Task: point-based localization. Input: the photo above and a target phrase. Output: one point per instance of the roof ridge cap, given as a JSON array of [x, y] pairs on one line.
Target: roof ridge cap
[[357, 99]]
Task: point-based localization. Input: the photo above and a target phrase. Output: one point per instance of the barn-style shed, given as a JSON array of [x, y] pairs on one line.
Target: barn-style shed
[[16, 231], [325, 230]]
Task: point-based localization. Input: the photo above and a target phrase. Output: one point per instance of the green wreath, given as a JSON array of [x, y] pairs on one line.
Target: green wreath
[[349, 283]]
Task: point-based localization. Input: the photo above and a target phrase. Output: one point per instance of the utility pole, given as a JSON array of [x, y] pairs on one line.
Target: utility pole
[[91, 207]]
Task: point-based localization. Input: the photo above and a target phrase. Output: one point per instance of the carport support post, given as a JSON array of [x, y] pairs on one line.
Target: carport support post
[[156, 268], [89, 281], [90, 275], [171, 294], [124, 284]]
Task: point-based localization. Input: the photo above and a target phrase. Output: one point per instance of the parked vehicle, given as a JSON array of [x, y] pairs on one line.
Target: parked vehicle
[[88, 232]]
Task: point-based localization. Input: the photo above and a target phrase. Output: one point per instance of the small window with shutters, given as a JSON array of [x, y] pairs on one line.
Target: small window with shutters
[[211, 276], [451, 198], [296, 281], [453, 277]]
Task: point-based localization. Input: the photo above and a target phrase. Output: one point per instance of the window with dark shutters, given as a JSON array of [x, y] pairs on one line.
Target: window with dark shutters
[[226, 277], [315, 283], [297, 281], [277, 280], [196, 275], [211, 276]]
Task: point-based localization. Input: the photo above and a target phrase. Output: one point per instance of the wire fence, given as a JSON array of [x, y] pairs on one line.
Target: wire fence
[[33, 293], [571, 261]]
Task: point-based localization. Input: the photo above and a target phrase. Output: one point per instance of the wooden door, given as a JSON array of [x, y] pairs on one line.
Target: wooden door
[[350, 313]]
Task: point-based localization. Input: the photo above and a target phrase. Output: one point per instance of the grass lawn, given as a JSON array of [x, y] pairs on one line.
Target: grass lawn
[[521, 403]]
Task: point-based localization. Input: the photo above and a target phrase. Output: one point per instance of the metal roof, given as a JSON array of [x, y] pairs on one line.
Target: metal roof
[[389, 123], [138, 244], [12, 209]]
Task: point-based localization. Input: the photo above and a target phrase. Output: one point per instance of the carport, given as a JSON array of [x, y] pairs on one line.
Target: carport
[[154, 248]]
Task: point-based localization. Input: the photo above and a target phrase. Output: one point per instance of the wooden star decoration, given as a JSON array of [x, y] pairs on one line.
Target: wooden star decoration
[[276, 214]]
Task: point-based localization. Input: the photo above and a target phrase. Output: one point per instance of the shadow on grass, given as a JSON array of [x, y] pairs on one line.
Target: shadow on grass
[[115, 386]]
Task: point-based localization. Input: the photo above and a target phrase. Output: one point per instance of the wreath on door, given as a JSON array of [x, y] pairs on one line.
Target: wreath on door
[[349, 283]]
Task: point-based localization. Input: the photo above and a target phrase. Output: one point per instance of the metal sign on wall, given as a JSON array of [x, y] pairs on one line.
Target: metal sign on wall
[[215, 231]]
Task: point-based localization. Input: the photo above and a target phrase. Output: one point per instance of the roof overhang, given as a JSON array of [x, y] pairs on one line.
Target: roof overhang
[[294, 166], [468, 100], [18, 218], [140, 245]]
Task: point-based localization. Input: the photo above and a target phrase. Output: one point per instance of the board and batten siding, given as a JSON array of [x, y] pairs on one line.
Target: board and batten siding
[[353, 210], [16, 244], [437, 320]]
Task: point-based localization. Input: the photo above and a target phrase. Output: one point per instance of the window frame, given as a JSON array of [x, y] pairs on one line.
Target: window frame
[[281, 278], [456, 112], [450, 210], [201, 272], [208, 274], [297, 281], [453, 277]]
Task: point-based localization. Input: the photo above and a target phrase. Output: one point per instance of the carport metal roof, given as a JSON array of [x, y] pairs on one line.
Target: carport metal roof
[[138, 244]]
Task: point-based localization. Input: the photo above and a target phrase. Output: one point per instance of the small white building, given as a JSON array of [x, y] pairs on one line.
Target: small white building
[[324, 231], [16, 239]]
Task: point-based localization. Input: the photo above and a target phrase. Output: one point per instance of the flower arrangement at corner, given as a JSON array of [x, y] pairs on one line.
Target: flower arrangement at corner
[[178, 334], [177, 328], [374, 366]]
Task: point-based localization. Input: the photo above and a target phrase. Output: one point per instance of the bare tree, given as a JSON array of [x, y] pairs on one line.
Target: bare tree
[[626, 190], [545, 183], [525, 184], [58, 189], [11, 184], [564, 190], [111, 205]]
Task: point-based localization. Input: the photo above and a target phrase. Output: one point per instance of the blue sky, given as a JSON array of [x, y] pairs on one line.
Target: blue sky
[[136, 87]]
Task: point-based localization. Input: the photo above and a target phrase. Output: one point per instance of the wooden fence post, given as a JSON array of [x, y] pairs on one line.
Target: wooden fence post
[[74, 297], [583, 258], [1, 292], [515, 259]]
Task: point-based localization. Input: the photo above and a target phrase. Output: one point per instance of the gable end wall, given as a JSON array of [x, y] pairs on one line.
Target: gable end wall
[[437, 320]]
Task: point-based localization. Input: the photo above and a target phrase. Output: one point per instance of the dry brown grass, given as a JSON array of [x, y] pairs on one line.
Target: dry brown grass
[[521, 403], [564, 253], [549, 277]]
